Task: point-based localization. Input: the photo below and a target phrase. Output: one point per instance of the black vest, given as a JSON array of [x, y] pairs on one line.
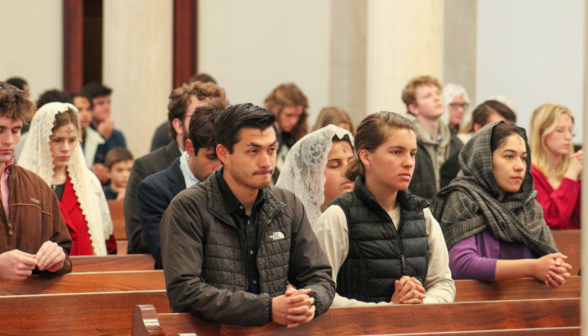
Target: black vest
[[378, 253]]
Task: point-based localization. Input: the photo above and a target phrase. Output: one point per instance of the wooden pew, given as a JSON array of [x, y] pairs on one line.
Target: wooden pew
[[133, 262], [118, 219], [569, 243], [86, 283], [519, 289], [74, 314], [121, 247], [465, 316]]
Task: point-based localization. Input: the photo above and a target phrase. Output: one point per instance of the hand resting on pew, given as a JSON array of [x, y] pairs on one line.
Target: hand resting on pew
[[550, 269], [408, 291], [294, 308], [18, 265]]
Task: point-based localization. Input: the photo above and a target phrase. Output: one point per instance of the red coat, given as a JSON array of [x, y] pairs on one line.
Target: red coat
[[77, 224], [561, 207]]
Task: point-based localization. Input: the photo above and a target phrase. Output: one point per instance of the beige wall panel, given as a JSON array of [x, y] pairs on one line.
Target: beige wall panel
[[138, 66]]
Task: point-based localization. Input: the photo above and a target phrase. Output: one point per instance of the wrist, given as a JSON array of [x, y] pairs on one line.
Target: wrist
[[532, 266], [571, 175], [270, 306]]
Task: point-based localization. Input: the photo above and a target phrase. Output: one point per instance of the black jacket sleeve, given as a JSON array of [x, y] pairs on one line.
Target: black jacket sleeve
[[133, 227], [151, 204]]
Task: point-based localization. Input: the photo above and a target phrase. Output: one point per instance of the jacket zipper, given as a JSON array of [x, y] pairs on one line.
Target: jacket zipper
[[402, 260]]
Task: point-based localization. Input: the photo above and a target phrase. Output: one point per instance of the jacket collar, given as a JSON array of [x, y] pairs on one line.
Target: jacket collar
[[176, 178], [406, 200], [172, 150], [216, 204]]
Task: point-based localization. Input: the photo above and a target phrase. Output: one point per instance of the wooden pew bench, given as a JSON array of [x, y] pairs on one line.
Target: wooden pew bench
[[519, 289], [134, 262], [75, 314], [467, 290], [569, 242], [86, 283], [118, 219], [465, 316]]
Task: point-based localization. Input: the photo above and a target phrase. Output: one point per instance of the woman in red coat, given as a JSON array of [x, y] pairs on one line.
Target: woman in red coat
[[53, 152], [556, 169]]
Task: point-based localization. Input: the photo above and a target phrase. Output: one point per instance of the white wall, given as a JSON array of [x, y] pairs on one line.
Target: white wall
[[31, 43], [533, 52], [250, 47]]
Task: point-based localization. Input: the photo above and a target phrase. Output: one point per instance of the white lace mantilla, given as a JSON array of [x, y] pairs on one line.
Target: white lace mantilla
[[36, 157], [304, 169]]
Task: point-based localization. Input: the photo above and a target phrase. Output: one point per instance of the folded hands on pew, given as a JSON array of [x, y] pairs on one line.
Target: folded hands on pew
[[18, 265], [553, 270], [408, 291], [294, 308]]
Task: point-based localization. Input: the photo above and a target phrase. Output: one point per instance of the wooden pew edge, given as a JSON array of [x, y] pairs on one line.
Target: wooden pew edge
[[145, 322]]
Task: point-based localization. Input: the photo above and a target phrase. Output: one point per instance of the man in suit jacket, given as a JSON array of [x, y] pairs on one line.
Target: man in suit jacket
[[196, 164], [183, 101]]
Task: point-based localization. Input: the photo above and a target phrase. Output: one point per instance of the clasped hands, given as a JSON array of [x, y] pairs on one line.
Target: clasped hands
[[294, 308], [408, 290], [18, 265], [552, 269]]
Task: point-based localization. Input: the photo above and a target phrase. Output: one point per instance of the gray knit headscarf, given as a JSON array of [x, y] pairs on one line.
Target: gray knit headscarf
[[469, 204]]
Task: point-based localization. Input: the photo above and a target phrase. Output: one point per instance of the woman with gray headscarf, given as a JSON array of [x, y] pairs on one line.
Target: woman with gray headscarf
[[492, 223]]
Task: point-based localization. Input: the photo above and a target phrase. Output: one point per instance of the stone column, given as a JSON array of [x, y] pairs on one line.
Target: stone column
[[404, 40], [348, 57], [459, 56], [138, 66]]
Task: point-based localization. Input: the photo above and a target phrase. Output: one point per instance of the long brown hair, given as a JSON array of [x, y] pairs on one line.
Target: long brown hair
[[333, 116], [289, 95], [371, 133]]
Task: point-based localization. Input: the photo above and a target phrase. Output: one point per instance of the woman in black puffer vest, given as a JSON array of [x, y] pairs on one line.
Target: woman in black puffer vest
[[384, 245]]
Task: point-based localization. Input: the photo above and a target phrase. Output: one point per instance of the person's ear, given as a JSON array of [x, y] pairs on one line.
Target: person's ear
[[412, 108], [364, 157], [178, 126], [222, 152], [477, 127], [190, 148]]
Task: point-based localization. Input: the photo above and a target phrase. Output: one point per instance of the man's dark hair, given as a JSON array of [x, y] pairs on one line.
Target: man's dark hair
[[15, 103], [81, 95], [18, 82], [94, 90], [201, 131], [52, 96], [202, 77], [235, 117]]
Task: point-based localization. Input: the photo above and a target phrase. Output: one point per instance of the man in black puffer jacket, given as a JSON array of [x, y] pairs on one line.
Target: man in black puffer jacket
[[231, 244]]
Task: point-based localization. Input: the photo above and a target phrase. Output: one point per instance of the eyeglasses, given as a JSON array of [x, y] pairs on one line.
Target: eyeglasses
[[463, 106]]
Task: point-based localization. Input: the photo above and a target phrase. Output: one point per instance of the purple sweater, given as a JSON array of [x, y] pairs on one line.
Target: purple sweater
[[476, 256]]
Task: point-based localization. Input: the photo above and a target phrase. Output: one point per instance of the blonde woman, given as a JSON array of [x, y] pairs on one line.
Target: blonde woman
[[556, 169]]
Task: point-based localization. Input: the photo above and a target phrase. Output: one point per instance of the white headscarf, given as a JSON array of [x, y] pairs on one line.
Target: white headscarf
[[450, 91], [36, 157], [304, 170]]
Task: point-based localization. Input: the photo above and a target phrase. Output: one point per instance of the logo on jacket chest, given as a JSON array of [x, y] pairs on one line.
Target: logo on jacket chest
[[276, 236]]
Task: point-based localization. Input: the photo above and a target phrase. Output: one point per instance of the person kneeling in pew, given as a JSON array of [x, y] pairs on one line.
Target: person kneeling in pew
[[231, 244], [491, 220], [384, 245], [33, 237]]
